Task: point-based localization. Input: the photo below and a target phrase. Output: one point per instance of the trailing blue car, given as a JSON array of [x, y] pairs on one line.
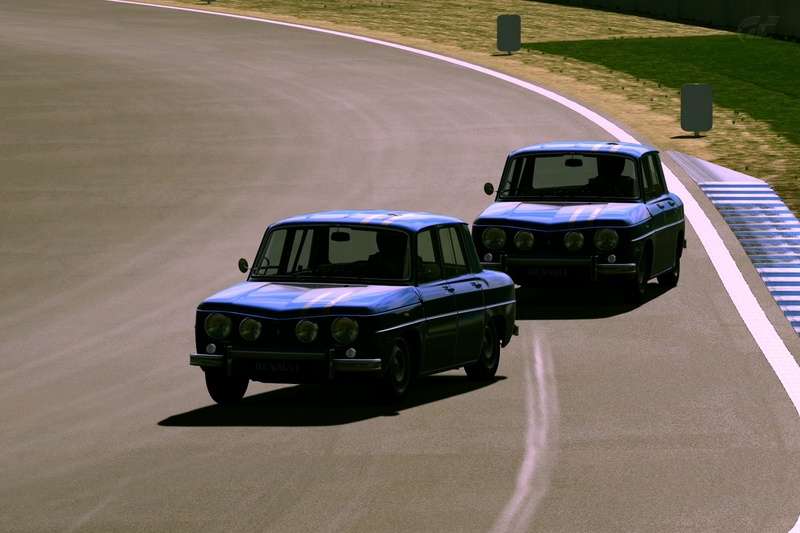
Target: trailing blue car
[[583, 212], [375, 296]]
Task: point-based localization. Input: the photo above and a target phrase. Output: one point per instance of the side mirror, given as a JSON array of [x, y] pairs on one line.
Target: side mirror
[[488, 188], [243, 266]]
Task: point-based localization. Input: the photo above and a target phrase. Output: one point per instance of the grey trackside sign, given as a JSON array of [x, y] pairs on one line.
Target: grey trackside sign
[[696, 107], [509, 33]]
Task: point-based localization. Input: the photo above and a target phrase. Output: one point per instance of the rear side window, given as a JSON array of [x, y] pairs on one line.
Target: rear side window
[[455, 264]]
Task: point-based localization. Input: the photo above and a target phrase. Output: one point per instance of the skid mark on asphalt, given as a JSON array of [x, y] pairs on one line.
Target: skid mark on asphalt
[[541, 402]]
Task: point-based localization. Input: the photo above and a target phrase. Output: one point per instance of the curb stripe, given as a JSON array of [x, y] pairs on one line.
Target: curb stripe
[[769, 234]]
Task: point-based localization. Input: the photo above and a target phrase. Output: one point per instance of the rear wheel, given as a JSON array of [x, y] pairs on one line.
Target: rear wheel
[[486, 366], [225, 390], [394, 385]]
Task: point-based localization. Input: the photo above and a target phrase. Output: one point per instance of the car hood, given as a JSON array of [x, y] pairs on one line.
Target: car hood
[[307, 299], [559, 214]]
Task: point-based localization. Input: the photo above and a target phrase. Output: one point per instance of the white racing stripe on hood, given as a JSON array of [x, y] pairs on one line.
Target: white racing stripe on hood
[[341, 297], [576, 214], [596, 212], [318, 298]]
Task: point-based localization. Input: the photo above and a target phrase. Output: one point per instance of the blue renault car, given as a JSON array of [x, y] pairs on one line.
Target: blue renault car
[[568, 213], [375, 296]]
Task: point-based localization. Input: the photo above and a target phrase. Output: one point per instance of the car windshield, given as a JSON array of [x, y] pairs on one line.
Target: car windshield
[[334, 253], [581, 177]]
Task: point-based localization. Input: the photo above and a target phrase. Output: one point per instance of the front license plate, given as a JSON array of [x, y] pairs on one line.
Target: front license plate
[[276, 366], [286, 371]]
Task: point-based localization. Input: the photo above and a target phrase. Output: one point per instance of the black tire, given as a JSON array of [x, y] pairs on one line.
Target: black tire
[[671, 277], [393, 387], [225, 390], [635, 288], [486, 366]]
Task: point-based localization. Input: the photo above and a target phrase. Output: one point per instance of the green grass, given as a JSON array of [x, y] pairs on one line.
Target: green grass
[[748, 75]]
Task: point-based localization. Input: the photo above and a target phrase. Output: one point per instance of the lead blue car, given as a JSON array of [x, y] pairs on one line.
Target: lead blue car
[[356, 295], [567, 213]]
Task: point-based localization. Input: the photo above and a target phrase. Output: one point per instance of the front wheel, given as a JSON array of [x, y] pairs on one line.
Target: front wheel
[[670, 278], [635, 288], [486, 366], [394, 385], [225, 390]]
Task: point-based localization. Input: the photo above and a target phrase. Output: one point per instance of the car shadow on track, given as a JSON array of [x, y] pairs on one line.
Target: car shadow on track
[[570, 303], [323, 405]]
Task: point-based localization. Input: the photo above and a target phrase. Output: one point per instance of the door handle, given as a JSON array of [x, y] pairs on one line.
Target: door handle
[[661, 206], [477, 284], [449, 289]]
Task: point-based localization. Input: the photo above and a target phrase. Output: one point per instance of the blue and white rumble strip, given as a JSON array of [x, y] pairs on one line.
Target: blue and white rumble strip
[[769, 234]]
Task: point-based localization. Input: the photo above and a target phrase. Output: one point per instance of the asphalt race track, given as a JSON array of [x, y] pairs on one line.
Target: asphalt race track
[[144, 150]]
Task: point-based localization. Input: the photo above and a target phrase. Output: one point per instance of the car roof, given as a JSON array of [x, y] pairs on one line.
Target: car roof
[[407, 220], [601, 147]]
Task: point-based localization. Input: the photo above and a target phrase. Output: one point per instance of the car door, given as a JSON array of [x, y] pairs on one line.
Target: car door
[[660, 206], [439, 303], [673, 208], [468, 292]]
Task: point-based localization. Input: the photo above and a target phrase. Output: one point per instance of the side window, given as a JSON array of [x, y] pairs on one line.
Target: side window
[[428, 266], [272, 255], [652, 177], [455, 264]]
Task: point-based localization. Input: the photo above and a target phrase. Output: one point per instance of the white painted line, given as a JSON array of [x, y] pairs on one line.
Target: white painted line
[[764, 334]]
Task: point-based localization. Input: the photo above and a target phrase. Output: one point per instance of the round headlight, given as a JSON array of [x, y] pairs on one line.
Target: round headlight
[[250, 329], [344, 330], [494, 238], [523, 240], [218, 326], [573, 241], [306, 331], [606, 239]]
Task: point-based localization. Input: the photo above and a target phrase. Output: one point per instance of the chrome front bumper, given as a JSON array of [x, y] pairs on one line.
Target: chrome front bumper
[[206, 360], [594, 267]]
